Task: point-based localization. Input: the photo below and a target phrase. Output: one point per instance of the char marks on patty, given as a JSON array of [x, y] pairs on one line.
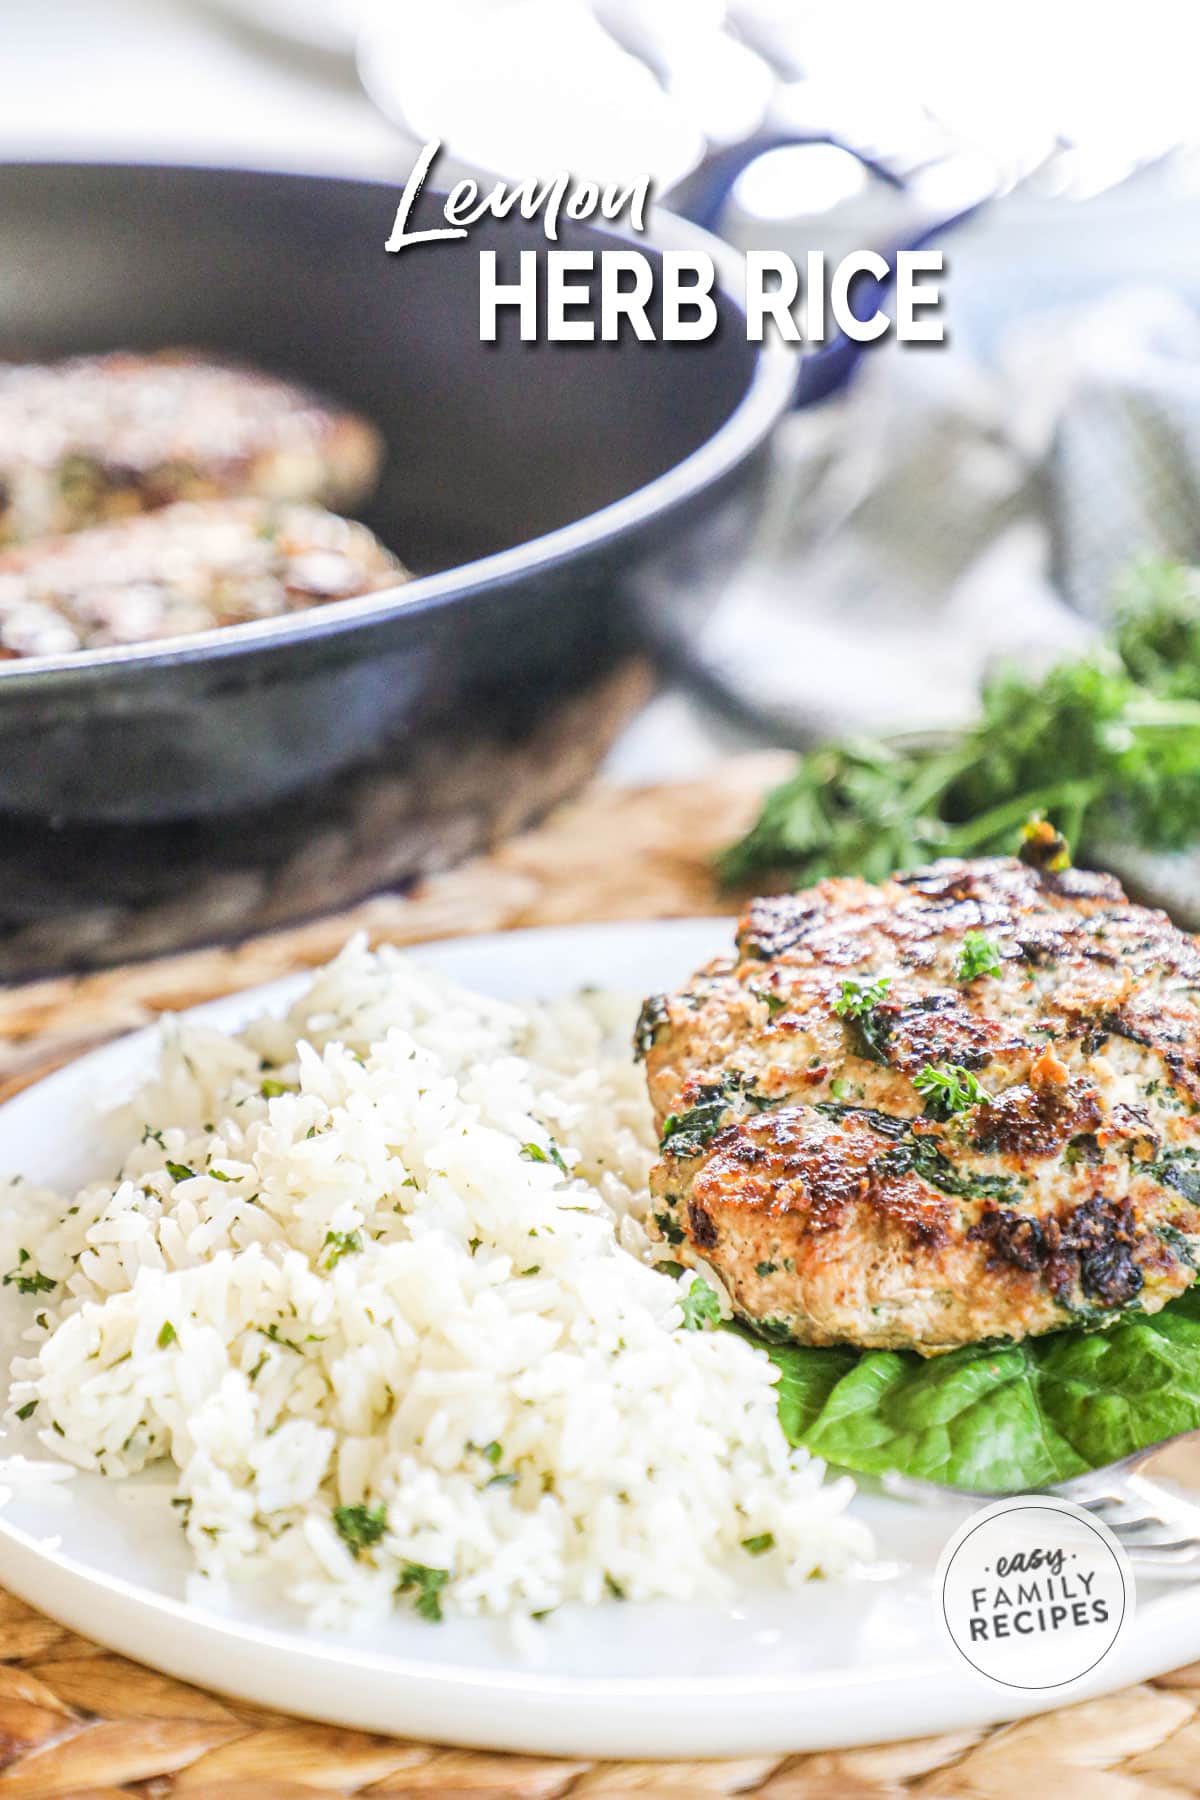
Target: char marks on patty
[[905, 1152]]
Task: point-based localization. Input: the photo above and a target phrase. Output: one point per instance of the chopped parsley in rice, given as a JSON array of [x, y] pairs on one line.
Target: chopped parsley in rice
[[373, 1280]]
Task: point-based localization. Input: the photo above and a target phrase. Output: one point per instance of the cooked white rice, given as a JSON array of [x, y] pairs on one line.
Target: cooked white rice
[[386, 1348]]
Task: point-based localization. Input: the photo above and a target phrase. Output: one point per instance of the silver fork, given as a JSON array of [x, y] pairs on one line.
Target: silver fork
[[1158, 1527]]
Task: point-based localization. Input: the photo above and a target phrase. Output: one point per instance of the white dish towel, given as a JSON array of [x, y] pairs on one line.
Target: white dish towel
[[945, 513]]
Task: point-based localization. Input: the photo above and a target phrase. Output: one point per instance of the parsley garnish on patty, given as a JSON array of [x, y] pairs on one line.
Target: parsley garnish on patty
[[978, 956], [860, 997], [858, 1004], [948, 1088]]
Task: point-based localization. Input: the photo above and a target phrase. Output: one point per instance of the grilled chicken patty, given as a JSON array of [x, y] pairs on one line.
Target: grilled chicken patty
[[187, 568], [957, 1106], [96, 438]]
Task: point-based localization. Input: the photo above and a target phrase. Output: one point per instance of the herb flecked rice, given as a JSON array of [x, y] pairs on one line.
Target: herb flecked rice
[[372, 1278]]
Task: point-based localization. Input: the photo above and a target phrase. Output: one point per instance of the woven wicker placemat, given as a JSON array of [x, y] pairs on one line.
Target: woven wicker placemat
[[77, 1723]]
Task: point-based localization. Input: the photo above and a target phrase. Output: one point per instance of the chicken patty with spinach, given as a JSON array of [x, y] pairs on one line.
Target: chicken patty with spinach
[[956, 1106]]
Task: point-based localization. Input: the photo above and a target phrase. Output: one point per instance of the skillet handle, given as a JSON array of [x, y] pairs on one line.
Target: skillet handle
[[702, 197]]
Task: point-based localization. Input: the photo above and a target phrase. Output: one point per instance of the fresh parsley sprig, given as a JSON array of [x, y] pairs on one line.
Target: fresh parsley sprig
[[1108, 746], [700, 1306]]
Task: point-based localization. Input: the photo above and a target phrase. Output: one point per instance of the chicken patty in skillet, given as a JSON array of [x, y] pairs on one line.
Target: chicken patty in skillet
[[95, 439], [183, 569], [957, 1106]]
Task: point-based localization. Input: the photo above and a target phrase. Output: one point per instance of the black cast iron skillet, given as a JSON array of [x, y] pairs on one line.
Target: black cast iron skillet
[[161, 795], [563, 505]]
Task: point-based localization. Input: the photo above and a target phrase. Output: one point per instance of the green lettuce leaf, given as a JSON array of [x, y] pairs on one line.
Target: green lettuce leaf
[[1009, 1416]]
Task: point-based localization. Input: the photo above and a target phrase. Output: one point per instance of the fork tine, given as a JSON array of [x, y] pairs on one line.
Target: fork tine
[[1158, 1527], [1096, 1488], [1154, 1542], [1166, 1571], [1166, 1556], [1118, 1520], [1175, 1548]]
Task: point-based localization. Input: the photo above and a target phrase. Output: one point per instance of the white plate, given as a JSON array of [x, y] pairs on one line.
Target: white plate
[[839, 1663], [330, 26]]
